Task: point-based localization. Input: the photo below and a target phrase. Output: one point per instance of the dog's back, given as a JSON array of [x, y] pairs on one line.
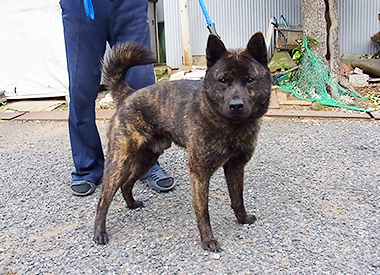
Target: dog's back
[[167, 106]]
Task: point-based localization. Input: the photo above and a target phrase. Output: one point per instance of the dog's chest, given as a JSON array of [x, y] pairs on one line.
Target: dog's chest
[[230, 141], [239, 141]]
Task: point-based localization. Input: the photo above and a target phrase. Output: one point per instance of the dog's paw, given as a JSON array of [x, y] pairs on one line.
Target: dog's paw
[[211, 245], [101, 237], [136, 204], [249, 219]]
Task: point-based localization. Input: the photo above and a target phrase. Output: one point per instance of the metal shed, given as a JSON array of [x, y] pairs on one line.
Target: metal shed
[[237, 20]]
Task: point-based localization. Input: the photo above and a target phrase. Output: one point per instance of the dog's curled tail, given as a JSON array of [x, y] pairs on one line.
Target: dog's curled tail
[[115, 66]]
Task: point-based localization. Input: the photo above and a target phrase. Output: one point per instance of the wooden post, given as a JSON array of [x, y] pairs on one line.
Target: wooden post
[[187, 57]]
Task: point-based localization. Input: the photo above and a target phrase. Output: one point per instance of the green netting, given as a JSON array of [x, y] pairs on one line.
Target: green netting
[[313, 81]]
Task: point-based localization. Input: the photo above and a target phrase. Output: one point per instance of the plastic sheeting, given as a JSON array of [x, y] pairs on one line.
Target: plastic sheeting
[[32, 51]]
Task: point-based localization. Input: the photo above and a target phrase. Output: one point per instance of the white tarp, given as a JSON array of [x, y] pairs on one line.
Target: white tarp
[[32, 49]]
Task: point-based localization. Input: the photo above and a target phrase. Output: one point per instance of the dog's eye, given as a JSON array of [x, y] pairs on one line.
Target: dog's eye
[[223, 80], [250, 80]]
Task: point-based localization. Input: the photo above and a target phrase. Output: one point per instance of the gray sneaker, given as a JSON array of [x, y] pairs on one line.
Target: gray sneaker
[[82, 187], [158, 179]]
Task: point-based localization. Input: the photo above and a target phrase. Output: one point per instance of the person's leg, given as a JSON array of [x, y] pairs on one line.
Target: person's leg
[[130, 23], [85, 46]]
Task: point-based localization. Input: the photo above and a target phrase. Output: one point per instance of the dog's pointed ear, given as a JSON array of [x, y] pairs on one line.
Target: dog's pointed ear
[[215, 50], [256, 48]]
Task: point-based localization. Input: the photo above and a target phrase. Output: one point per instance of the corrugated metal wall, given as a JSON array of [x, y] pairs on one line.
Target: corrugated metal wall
[[237, 20], [173, 38], [358, 22]]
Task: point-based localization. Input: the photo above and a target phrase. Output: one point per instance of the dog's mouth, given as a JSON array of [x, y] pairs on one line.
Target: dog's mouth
[[247, 113], [236, 110], [236, 116]]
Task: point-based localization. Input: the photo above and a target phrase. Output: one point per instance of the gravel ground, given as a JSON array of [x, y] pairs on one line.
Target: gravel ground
[[313, 184]]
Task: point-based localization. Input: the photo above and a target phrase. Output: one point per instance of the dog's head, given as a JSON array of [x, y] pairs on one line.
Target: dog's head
[[238, 82]]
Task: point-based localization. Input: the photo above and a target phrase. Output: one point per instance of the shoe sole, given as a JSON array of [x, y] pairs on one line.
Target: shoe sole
[[92, 189], [157, 187]]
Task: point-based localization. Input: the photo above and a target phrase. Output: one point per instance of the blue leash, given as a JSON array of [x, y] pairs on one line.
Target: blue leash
[[210, 25], [204, 10], [89, 8], [90, 14]]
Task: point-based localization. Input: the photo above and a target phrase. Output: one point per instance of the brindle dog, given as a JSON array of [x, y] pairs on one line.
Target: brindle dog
[[216, 119]]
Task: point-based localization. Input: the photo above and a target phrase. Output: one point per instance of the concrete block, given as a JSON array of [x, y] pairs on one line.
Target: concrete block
[[178, 75], [358, 80], [358, 70], [195, 75], [107, 102]]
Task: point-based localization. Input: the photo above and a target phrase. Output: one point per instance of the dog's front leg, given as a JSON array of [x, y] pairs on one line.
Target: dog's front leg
[[200, 179], [234, 173]]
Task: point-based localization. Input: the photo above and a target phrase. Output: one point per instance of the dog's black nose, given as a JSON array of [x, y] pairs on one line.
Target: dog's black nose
[[236, 105]]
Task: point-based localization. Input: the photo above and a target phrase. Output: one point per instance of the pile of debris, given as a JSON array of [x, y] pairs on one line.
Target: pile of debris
[[359, 71]]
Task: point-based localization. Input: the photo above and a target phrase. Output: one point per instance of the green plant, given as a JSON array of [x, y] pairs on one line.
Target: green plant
[[3, 107], [366, 56], [320, 107], [297, 52], [374, 98], [162, 74], [282, 64]]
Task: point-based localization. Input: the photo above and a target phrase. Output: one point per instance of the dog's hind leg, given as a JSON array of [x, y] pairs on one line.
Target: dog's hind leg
[[234, 173], [143, 160], [117, 170], [111, 179]]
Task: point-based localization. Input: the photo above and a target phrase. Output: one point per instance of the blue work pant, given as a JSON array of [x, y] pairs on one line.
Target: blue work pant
[[115, 21]]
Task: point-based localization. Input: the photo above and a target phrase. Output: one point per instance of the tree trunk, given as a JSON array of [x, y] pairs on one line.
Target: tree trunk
[[333, 44], [321, 22], [314, 24]]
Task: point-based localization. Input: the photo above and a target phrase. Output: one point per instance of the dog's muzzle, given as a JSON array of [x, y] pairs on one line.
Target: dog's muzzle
[[236, 105]]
